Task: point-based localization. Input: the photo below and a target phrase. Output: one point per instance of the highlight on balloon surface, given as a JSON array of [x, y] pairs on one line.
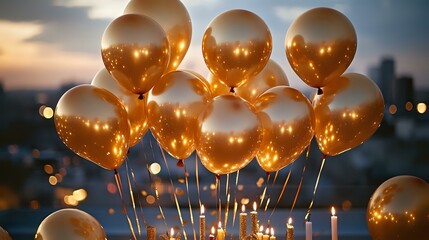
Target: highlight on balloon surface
[[320, 44], [228, 135], [92, 122], [272, 75], [236, 46], [288, 126], [174, 105], [347, 113], [399, 209], [173, 18], [136, 52], [70, 224], [136, 108]]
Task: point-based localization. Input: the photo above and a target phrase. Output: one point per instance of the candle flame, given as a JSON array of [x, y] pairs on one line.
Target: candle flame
[[289, 221], [213, 230], [172, 232], [261, 228], [219, 225], [202, 209], [333, 211], [267, 231], [272, 231], [254, 206], [243, 208]]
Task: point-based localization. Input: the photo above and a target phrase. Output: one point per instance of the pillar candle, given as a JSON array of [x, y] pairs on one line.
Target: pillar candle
[[220, 232], [202, 224], [272, 237], [289, 230], [266, 236], [243, 223], [254, 220], [308, 230], [334, 225], [260, 234], [172, 234], [211, 236], [151, 233]]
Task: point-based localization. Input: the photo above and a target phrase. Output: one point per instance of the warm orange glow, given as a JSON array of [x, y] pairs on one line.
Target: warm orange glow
[[243, 208], [289, 221], [267, 231], [219, 225], [48, 112], [48, 169], [333, 211], [155, 168], [261, 228], [213, 230], [254, 206], [409, 106], [272, 231], [202, 209], [80, 194], [53, 180], [421, 108], [172, 232]]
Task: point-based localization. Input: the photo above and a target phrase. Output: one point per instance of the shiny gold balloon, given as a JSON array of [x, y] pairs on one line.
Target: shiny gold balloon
[[236, 46], [174, 105], [174, 19], [320, 45], [92, 122], [136, 108], [272, 75], [70, 224], [4, 235], [288, 123], [135, 51], [347, 113], [399, 209], [229, 134]]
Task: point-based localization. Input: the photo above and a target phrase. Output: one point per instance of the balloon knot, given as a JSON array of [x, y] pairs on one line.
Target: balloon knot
[[319, 91], [180, 163], [231, 90], [128, 152], [217, 176], [116, 171], [141, 96], [268, 174]]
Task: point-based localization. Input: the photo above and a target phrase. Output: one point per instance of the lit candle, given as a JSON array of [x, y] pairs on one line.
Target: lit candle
[[151, 233], [254, 219], [308, 230], [211, 236], [172, 234], [243, 223], [334, 225], [220, 232], [202, 224], [266, 236], [272, 237], [259, 234], [289, 231]]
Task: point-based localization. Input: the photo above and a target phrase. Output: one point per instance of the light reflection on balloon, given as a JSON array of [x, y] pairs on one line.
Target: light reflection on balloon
[[92, 122], [174, 19], [229, 134], [347, 113], [174, 105], [399, 209], [136, 108], [320, 45], [288, 123], [69, 224], [236, 45], [135, 50]]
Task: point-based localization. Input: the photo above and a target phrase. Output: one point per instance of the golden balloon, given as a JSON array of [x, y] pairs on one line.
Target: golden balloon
[[174, 19], [70, 224], [135, 51], [229, 134], [399, 209], [92, 122], [288, 123], [347, 113], [320, 45], [236, 46], [136, 108], [272, 75], [174, 105], [4, 235]]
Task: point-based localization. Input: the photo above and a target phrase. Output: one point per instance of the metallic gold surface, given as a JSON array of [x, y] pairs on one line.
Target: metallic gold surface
[[136, 108], [174, 19], [320, 45], [92, 122], [347, 113], [288, 122], [399, 209], [135, 51], [174, 105], [236, 46], [229, 134]]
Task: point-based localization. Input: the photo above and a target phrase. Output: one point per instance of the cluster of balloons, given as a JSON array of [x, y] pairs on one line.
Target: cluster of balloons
[[245, 107]]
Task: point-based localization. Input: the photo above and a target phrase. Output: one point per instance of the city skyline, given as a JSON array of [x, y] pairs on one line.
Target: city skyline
[[49, 43]]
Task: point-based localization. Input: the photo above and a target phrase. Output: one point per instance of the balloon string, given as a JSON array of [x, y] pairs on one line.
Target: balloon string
[[179, 212], [189, 200], [281, 193], [315, 187], [218, 199], [235, 202], [265, 189], [138, 196], [197, 179], [298, 190], [227, 196], [124, 208], [275, 178], [133, 203], [154, 184]]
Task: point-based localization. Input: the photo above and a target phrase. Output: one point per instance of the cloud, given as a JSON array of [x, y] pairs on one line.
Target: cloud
[[288, 14], [106, 9]]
